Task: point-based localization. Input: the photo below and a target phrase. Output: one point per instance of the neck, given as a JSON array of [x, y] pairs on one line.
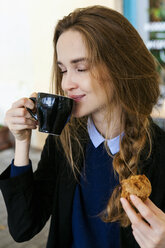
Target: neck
[[108, 129]]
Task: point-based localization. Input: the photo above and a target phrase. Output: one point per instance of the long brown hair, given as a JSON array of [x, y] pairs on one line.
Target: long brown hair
[[114, 47]]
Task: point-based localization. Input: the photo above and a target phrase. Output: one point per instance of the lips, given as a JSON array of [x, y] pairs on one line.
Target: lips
[[77, 98]]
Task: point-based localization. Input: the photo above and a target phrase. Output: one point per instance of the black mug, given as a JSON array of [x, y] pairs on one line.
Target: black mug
[[52, 112]]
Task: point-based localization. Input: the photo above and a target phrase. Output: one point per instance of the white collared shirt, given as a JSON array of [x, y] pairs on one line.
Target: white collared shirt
[[97, 138]]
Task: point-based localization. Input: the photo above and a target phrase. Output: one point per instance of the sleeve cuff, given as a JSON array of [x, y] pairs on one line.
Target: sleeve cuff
[[18, 170]]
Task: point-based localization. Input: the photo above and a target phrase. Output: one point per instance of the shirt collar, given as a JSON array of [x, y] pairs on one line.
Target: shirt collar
[[97, 138]]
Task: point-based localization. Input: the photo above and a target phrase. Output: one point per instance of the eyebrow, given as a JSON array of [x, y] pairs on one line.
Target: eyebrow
[[74, 61]]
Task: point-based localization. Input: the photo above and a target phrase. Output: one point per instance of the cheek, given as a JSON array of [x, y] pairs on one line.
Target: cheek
[[99, 91], [62, 84]]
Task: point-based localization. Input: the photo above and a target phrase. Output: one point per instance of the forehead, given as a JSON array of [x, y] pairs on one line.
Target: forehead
[[70, 45]]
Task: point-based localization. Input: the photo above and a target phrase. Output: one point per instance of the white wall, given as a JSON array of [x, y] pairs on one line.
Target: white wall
[[15, 53], [26, 32], [142, 18]]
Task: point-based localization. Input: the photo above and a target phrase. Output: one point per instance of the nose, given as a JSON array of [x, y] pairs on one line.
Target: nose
[[69, 81]]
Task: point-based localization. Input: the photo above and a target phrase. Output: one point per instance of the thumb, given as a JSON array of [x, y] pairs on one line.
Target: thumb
[[34, 94]]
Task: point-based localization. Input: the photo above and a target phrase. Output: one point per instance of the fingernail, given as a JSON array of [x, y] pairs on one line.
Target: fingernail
[[122, 200], [133, 197]]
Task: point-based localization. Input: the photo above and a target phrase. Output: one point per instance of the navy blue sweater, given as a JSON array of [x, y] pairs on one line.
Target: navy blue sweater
[[91, 197]]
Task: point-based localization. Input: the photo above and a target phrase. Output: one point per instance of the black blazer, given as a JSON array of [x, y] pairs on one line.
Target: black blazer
[[32, 198]]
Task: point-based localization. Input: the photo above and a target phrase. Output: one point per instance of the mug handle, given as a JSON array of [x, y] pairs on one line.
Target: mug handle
[[30, 111]]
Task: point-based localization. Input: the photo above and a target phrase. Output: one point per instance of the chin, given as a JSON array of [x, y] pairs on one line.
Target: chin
[[79, 114], [81, 111]]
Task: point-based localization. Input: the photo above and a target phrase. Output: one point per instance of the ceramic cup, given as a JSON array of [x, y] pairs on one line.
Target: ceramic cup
[[52, 112]]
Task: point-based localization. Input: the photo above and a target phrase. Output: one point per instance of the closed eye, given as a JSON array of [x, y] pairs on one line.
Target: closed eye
[[81, 70], [62, 72]]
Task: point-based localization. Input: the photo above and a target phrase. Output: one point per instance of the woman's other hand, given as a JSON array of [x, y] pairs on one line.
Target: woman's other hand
[[148, 225]]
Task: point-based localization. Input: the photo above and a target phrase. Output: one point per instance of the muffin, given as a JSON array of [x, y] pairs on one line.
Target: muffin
[[138, 185]]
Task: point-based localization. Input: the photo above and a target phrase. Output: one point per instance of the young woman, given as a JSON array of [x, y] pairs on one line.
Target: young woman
[[102, 63]]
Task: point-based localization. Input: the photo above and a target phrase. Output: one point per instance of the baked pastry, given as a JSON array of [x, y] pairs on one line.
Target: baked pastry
[[138, 185]]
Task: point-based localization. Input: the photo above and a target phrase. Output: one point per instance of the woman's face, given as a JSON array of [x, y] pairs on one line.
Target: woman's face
[[88, 93]]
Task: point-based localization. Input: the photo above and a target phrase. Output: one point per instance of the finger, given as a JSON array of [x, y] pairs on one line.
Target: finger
[[23, 120], [153, 207], [19, 112], [148, 239], [145, 211], [140, 239], [132, 215], [34, 94], [19, 127], [23, 102]]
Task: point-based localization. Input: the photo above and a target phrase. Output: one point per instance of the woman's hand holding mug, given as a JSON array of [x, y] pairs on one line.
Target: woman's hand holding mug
[[19, 120], [50, 112], [20, 123]]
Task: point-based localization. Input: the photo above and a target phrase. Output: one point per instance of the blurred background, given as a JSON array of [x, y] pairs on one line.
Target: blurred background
[[148, 17], [26, 53]]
